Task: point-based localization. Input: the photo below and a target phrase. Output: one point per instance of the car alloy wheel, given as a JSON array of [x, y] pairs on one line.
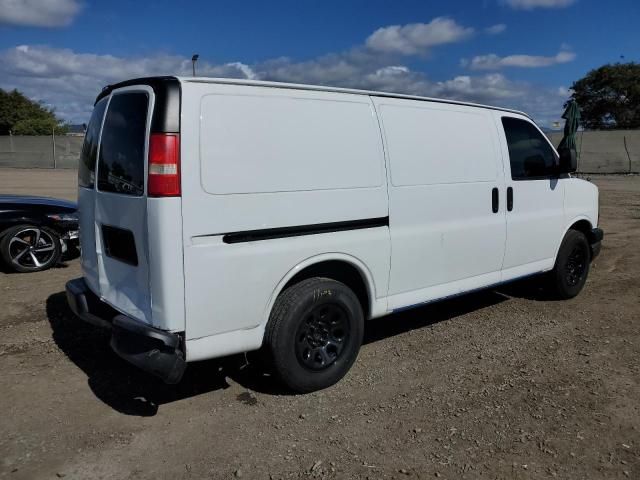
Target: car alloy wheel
[[32, 248]]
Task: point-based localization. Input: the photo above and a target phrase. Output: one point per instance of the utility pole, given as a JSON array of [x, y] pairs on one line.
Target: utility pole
[[194, 59]]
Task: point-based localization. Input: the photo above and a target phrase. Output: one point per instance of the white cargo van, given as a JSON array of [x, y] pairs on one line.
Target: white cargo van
[[224, 216]]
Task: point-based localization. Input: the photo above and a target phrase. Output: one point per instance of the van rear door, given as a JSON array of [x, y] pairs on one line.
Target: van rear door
[[87, 195], [120, 215]]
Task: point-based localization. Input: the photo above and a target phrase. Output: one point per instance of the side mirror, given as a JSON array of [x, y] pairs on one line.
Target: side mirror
[[568, 160]]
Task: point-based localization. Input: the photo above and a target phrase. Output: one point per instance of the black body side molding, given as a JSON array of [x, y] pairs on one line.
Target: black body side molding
[[297, 231]]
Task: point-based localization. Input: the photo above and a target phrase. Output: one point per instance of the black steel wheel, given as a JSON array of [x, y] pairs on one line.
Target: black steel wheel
[[576, 264], [572, 266], [321, 336], [30, 248], [314, 334]]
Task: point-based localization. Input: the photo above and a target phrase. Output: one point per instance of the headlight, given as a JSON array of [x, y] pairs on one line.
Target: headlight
[[63, 217]]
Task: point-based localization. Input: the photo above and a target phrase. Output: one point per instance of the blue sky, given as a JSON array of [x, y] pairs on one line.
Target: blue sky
[[518, 53]]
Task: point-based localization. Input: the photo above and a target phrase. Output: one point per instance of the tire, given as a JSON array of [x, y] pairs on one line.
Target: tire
[[30, 248], [314, 334], [572, 266]]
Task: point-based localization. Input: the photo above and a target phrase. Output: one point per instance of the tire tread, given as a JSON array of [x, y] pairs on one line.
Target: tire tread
[[287, 301]]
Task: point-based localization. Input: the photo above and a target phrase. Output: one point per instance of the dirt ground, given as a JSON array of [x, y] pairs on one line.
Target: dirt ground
[[497, 384]]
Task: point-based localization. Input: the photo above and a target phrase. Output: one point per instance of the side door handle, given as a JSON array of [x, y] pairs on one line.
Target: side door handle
[[509, 199], [495, 202]]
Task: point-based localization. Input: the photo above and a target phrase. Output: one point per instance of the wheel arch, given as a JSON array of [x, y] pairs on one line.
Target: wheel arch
[[35, 220], [581, 223], [339, 266]]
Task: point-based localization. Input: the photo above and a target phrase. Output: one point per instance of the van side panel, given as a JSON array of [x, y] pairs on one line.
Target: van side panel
[[444, 164], [252, 143], [166, 268], [230, 286], [257, 158]]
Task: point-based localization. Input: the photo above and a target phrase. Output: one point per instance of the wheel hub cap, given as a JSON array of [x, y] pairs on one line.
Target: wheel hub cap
[[321, 336]]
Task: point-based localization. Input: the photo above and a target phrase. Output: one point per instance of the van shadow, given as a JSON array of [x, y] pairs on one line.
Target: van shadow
[[10, 271], [429, 314], [117, 383], [133, 392], [530, 288]]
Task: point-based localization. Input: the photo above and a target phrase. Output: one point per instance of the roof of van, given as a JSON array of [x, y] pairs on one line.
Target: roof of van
[[296, 86], [321, 88]]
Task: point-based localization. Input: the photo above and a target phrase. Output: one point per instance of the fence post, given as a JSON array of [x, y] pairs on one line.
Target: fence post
[[626, 149], [53, 144], [578, 162]]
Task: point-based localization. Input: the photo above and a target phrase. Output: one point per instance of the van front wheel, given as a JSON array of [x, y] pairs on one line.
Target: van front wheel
[[314, 334], [572, 266]]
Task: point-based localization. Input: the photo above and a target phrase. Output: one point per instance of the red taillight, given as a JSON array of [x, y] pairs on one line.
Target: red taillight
[[164, 165]]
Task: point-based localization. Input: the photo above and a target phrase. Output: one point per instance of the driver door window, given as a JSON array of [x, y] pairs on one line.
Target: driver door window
[[530, 155]]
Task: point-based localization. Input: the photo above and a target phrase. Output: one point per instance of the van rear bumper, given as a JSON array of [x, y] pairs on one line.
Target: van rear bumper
[[153, 350]]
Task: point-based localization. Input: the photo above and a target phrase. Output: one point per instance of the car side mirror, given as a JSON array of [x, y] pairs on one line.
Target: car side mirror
[[568, 160]]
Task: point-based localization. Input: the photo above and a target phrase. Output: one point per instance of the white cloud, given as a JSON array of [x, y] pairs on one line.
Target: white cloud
[[357, 70], [70, 81], [246, 70], [495, 29], [495, 62], [531, 4], [417, 38], [392, 70], [491, 88], [38, 13]]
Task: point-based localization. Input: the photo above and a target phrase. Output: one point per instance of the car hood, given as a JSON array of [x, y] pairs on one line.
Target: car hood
[[31, 200]]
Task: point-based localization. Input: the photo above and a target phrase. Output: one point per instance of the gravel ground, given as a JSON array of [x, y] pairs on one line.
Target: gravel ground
[[497, 384]]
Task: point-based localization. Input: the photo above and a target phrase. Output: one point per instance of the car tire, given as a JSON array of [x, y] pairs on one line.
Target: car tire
[[571, 269], [30, 248], [314, 334]]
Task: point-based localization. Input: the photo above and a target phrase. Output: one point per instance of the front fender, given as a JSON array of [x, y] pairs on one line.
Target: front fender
[[570, 224]]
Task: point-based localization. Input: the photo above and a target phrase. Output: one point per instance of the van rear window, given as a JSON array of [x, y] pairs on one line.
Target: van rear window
[[87, 165], [121, 160]]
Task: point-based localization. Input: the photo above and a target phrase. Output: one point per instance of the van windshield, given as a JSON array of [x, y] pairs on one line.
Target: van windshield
[[122, 146]]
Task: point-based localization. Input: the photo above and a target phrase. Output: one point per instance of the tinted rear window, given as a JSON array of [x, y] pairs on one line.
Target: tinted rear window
[[121, 159], [87, 165]]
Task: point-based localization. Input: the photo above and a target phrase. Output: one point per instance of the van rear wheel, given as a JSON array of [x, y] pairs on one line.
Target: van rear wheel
[[314, 334], [572, 266]]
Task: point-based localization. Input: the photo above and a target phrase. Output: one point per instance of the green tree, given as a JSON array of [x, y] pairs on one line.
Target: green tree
[[609, 96], [22, 116]]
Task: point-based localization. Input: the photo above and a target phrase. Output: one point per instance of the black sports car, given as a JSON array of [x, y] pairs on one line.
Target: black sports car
[[35, 232]]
